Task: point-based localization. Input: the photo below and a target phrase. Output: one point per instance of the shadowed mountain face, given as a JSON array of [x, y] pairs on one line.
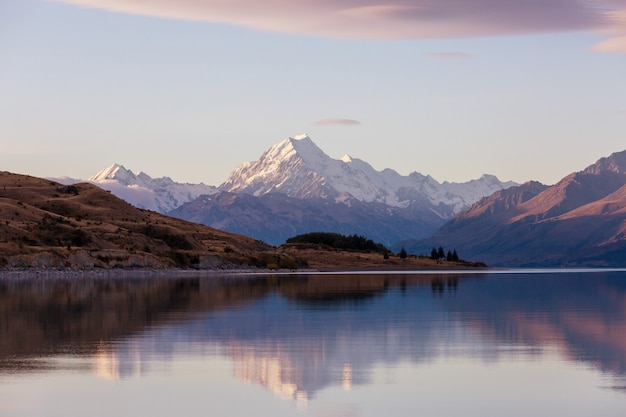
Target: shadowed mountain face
[[297, 335], [275, 217], [580, 221]]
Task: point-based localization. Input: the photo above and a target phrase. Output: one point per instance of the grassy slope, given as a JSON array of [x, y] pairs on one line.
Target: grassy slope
[[46, 224]]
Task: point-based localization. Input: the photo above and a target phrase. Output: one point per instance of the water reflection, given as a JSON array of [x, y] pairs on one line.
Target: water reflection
[[42, 317], [297, 335], [582, 315]]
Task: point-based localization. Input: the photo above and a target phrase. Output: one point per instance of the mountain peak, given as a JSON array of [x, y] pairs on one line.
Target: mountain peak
[[113, 172], [290, 165], [308, 150], [300, 146], [143, 191], [298, 168], [615, 162]]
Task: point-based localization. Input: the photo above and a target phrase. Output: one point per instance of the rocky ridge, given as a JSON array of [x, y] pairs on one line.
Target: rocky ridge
[[580, 221]]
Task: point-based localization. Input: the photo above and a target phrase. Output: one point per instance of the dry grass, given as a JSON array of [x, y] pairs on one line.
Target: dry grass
[[54, 225], [334, 259]]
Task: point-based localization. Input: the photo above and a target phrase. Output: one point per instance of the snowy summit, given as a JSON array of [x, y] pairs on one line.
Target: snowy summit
[[158, 194], [298, 168]]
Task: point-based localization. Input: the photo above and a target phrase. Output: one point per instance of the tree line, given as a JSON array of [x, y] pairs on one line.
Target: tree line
[[361, 243], [339, 241], [440, 254]]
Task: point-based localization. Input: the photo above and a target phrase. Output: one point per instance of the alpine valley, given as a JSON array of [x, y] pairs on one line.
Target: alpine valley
[[295, 188]]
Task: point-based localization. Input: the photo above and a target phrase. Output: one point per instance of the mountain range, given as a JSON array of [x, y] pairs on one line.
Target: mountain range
[[298, 168], [141, 190], [294, 188], [580, 221]]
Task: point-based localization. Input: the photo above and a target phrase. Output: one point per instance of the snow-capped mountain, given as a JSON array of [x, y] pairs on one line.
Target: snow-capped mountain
[[158, 194], [298, 168], [294, 187]]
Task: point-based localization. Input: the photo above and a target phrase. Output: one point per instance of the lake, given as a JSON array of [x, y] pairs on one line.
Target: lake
[[501, 343]]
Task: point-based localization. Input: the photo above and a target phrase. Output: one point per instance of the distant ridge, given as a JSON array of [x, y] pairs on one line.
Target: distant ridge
[[580, 221], [158, 194]]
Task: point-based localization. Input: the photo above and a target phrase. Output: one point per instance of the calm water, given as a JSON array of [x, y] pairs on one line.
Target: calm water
[[514, 344]]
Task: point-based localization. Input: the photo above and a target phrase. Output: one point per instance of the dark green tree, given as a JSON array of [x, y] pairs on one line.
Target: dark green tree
[[339, 241], [402, 253], [449, 255], [455, 256], [433, 253], [441, 253]]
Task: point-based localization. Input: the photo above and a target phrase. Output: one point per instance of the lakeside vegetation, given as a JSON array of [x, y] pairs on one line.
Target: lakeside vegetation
[[440, 254], [334, 251], [339, 241]]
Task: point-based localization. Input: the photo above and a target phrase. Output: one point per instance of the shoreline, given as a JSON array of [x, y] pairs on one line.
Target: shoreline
[[119, 273], [65, 273], [146, 274]]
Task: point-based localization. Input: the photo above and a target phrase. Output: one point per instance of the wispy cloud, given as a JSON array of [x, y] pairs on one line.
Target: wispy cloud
[[616, 29], [616, 45], [341, 122], [396, 19], [450, 55]]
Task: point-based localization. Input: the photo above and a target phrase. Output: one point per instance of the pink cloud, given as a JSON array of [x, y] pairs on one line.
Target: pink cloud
[[616, 45], [617, 30], [394, 19]]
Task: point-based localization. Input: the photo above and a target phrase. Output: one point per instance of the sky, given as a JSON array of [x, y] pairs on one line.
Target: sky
[[524, 90]]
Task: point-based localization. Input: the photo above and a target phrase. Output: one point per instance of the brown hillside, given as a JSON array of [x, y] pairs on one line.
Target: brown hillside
[[503, 202], [45, 224], [614, 203], [571, 192]]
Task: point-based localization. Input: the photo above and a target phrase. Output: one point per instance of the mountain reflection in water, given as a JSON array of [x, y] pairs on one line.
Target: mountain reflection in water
[[298, 334]]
